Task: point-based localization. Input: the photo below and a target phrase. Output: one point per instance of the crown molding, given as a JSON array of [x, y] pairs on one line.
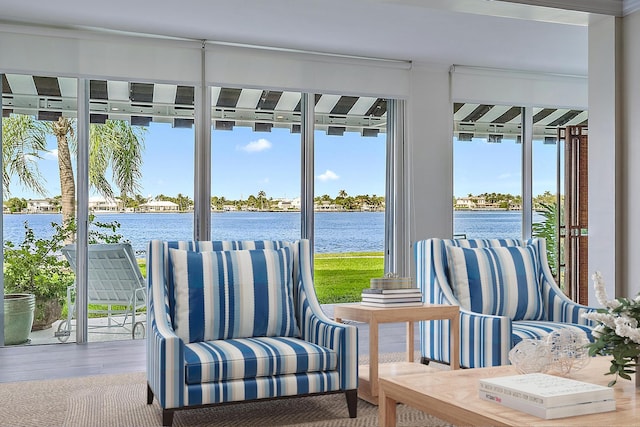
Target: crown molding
[[630, 6], [603, 7]]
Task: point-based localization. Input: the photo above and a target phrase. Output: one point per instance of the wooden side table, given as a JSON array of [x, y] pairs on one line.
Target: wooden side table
[[368, 378]]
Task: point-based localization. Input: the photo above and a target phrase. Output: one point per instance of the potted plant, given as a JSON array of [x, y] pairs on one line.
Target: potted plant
[[35, 267], [18, 317]]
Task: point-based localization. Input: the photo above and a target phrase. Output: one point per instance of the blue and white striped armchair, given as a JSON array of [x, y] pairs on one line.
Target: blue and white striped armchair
[[493, 317], [233, 321]]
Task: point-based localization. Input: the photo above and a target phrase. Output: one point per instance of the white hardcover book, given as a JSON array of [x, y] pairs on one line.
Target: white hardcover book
[[552, 412], [392, 291], [544, 390], [391, 300], [391, 304]]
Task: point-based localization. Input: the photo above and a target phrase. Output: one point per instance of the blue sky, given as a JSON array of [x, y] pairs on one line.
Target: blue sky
[[480, 167], [245, 162]]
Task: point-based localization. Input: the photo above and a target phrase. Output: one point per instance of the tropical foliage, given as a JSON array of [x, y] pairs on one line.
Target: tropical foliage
[[548, 229], [114, 146], [35, 267]]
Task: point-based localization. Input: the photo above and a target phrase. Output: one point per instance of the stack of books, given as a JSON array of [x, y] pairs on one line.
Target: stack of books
[[548, 396], [391, 292]]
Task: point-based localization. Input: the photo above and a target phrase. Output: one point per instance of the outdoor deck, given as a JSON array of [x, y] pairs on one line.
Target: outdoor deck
[[116, 353]]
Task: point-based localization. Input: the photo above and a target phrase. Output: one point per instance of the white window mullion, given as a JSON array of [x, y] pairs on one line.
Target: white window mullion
[[527, 172], [82, 214]]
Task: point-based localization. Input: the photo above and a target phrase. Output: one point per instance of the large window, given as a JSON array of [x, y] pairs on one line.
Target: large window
[[136, 132], [255, 164], [139, 139], [39, 118], [487, 149]]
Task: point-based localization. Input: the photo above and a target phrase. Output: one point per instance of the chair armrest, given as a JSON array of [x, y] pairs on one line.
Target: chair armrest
[[317, 328], [491, 340], [165, 350], [560, 308], [165, 358]]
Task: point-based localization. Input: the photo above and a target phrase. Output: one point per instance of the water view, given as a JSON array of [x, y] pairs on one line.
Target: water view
[[335, 231]]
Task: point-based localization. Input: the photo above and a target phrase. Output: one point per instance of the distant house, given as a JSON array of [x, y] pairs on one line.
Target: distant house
[[40, 206], [100, 204], [472, 202], [159, 206], [327, 206], [289, 204]]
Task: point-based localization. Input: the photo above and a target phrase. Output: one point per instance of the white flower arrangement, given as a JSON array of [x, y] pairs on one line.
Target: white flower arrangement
[[617, 333]]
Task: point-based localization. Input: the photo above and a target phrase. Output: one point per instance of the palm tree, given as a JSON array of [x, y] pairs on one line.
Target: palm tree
[[62, 130], [261, 196], [115, 145], [23, 142]]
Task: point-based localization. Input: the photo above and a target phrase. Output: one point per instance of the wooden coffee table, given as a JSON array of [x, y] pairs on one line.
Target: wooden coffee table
[[368, 374], [453, 397]]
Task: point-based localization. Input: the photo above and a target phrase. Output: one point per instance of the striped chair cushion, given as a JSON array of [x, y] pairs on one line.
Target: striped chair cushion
[[242, 358], [538, 329], [232, 294], [501, 281]]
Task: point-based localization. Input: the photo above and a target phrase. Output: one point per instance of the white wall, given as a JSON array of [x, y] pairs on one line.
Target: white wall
[[604, 153], [630, 170], [430, 135]]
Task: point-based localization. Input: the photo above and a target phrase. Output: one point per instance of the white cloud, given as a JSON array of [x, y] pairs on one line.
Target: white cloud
[[256, 146], [53, 154], [329, 175]]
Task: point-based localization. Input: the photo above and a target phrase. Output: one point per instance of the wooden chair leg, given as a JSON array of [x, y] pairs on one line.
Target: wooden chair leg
[[352, 402], [149, 395], [167, 417]]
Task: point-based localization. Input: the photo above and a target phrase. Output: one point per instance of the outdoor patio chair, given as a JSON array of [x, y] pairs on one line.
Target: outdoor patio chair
[[115, 282], [505, 291]]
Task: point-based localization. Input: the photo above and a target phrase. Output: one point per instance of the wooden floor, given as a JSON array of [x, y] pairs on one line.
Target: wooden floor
[[49, 361]]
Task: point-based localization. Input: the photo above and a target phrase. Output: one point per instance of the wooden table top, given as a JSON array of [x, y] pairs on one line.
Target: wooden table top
[[453, 397], [364, 313]]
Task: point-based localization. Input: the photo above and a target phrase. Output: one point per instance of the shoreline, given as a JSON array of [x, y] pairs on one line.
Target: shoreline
[[191, 212]]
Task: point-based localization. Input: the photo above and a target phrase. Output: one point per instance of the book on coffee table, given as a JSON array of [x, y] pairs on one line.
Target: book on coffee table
[[391, 297], [392, 304], [401, 291], [553, 412], [547, 396]]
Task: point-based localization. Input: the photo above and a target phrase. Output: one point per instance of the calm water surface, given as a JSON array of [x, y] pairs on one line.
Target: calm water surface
[[334, 231]]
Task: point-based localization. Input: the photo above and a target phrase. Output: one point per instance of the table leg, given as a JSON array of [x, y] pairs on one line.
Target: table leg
[[454, 341], [373, 357], [386, 410], [409, 341]]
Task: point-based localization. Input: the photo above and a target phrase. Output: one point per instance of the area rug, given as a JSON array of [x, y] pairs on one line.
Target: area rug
[[120, 400]]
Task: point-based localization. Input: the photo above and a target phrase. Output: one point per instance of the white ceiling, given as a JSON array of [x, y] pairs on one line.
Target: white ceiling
[[468, 32]]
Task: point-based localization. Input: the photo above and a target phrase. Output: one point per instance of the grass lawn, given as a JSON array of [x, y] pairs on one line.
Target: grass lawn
[[342, 277]]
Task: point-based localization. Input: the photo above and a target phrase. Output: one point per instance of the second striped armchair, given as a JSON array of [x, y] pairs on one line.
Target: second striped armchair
[[505, 291]]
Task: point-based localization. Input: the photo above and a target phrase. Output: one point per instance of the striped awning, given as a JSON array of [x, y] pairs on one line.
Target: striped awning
[[495, 122], [141, 103]]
